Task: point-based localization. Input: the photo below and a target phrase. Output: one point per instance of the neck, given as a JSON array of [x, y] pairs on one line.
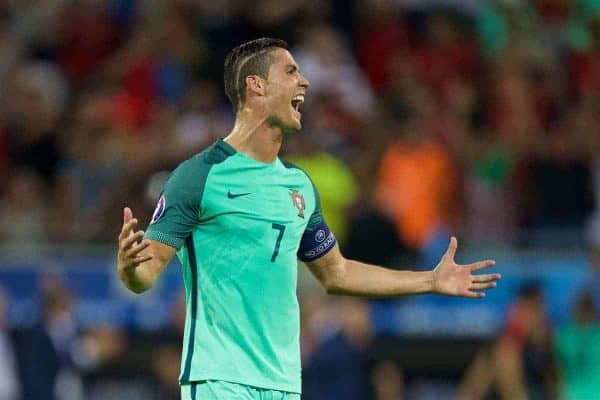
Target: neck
[[254, 136]]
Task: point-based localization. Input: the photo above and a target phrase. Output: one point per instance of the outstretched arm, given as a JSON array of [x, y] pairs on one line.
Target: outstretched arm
[[139, 264], [348, 277]]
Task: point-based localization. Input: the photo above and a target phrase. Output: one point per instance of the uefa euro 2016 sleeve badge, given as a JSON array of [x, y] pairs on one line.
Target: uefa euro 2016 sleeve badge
[[159, 210]]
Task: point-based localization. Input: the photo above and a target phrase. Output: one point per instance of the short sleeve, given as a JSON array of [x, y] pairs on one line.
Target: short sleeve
[[178, 209]]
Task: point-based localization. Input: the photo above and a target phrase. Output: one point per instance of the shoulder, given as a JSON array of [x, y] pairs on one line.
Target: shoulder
[[200, 164], [292, 166], [289, 164], [215, 154]]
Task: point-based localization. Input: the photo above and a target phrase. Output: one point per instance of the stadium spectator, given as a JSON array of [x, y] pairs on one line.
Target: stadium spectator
[[87, 37], [11, 50], [512, 111], [504, 23], [166, 354], [373, 239], [3, 154], [524, 356], [520, 364], [48, 367], [100, 356], [23, 208], [387, 379], [37, 93], [202, 118], [166, 370], [446, 53], [489, 196], [10, 382], [417, 184], [338, 365], [593, 224], [93, 159], [562, 197], [578, 352], [382, 34], [136, 362], [583, 36], [331, 68], [37, 27]]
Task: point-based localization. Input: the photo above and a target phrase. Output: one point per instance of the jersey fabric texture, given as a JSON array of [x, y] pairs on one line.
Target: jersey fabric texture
[[220, 390], [237, 224]]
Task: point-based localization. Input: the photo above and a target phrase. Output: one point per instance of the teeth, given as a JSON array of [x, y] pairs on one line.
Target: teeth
[[297, 100]]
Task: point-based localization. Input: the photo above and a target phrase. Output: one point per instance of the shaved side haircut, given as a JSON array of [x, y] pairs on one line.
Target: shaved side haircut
[[250, 58]]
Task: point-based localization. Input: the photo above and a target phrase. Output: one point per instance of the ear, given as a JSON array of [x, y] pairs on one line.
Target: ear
[[255, 84]]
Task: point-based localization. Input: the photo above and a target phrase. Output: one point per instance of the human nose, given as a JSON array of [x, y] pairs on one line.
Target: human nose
[[304, 82]]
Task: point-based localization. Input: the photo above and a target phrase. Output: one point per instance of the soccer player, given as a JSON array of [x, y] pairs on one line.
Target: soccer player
[[238, 217]]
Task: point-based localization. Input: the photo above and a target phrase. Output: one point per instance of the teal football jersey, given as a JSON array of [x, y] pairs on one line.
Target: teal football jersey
[[237, 224]]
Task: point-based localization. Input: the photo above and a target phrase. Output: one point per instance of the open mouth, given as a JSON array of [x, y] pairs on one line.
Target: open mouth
[[297, 101]]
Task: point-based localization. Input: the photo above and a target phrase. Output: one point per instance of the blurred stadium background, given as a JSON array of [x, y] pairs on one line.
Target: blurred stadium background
[[424, 118]]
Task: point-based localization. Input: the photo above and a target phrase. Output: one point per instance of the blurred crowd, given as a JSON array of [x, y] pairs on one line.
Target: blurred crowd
[[423, 118], [480, 118]]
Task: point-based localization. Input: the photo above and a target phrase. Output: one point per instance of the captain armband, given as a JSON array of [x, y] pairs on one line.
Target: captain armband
[[316, 243]]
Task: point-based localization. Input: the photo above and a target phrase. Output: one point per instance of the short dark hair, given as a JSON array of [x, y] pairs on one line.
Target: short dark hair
[[250, 58]]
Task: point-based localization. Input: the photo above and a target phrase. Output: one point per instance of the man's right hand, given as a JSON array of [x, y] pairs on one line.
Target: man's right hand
[[130, 247]]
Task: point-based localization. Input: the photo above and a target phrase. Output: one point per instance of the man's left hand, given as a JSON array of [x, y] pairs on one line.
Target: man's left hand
[[458, 280]]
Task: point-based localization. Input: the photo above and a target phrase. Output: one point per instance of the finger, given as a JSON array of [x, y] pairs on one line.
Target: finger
[[127, 214], [137, 248], [129, 241], [480, 265], [486, 278], [127, 227], [475, 295], [482, 286], [142, 259], [133, 264], [451, 249]]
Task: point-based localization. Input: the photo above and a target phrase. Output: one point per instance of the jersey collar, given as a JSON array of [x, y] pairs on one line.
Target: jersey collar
[[225, 147]]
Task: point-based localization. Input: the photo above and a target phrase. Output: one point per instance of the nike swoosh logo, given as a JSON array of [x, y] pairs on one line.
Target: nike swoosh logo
[[234, 195]]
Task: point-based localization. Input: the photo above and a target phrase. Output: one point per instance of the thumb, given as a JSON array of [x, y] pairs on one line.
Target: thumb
[[127, 215], [451, 249]]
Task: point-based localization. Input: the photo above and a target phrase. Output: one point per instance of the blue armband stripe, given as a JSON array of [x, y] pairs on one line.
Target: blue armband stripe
[[316, 242]]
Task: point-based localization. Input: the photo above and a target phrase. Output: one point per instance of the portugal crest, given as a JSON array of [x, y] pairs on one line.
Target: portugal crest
[[298, 201]]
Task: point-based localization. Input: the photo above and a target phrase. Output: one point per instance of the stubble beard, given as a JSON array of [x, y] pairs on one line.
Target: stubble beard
[[276, 122]]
